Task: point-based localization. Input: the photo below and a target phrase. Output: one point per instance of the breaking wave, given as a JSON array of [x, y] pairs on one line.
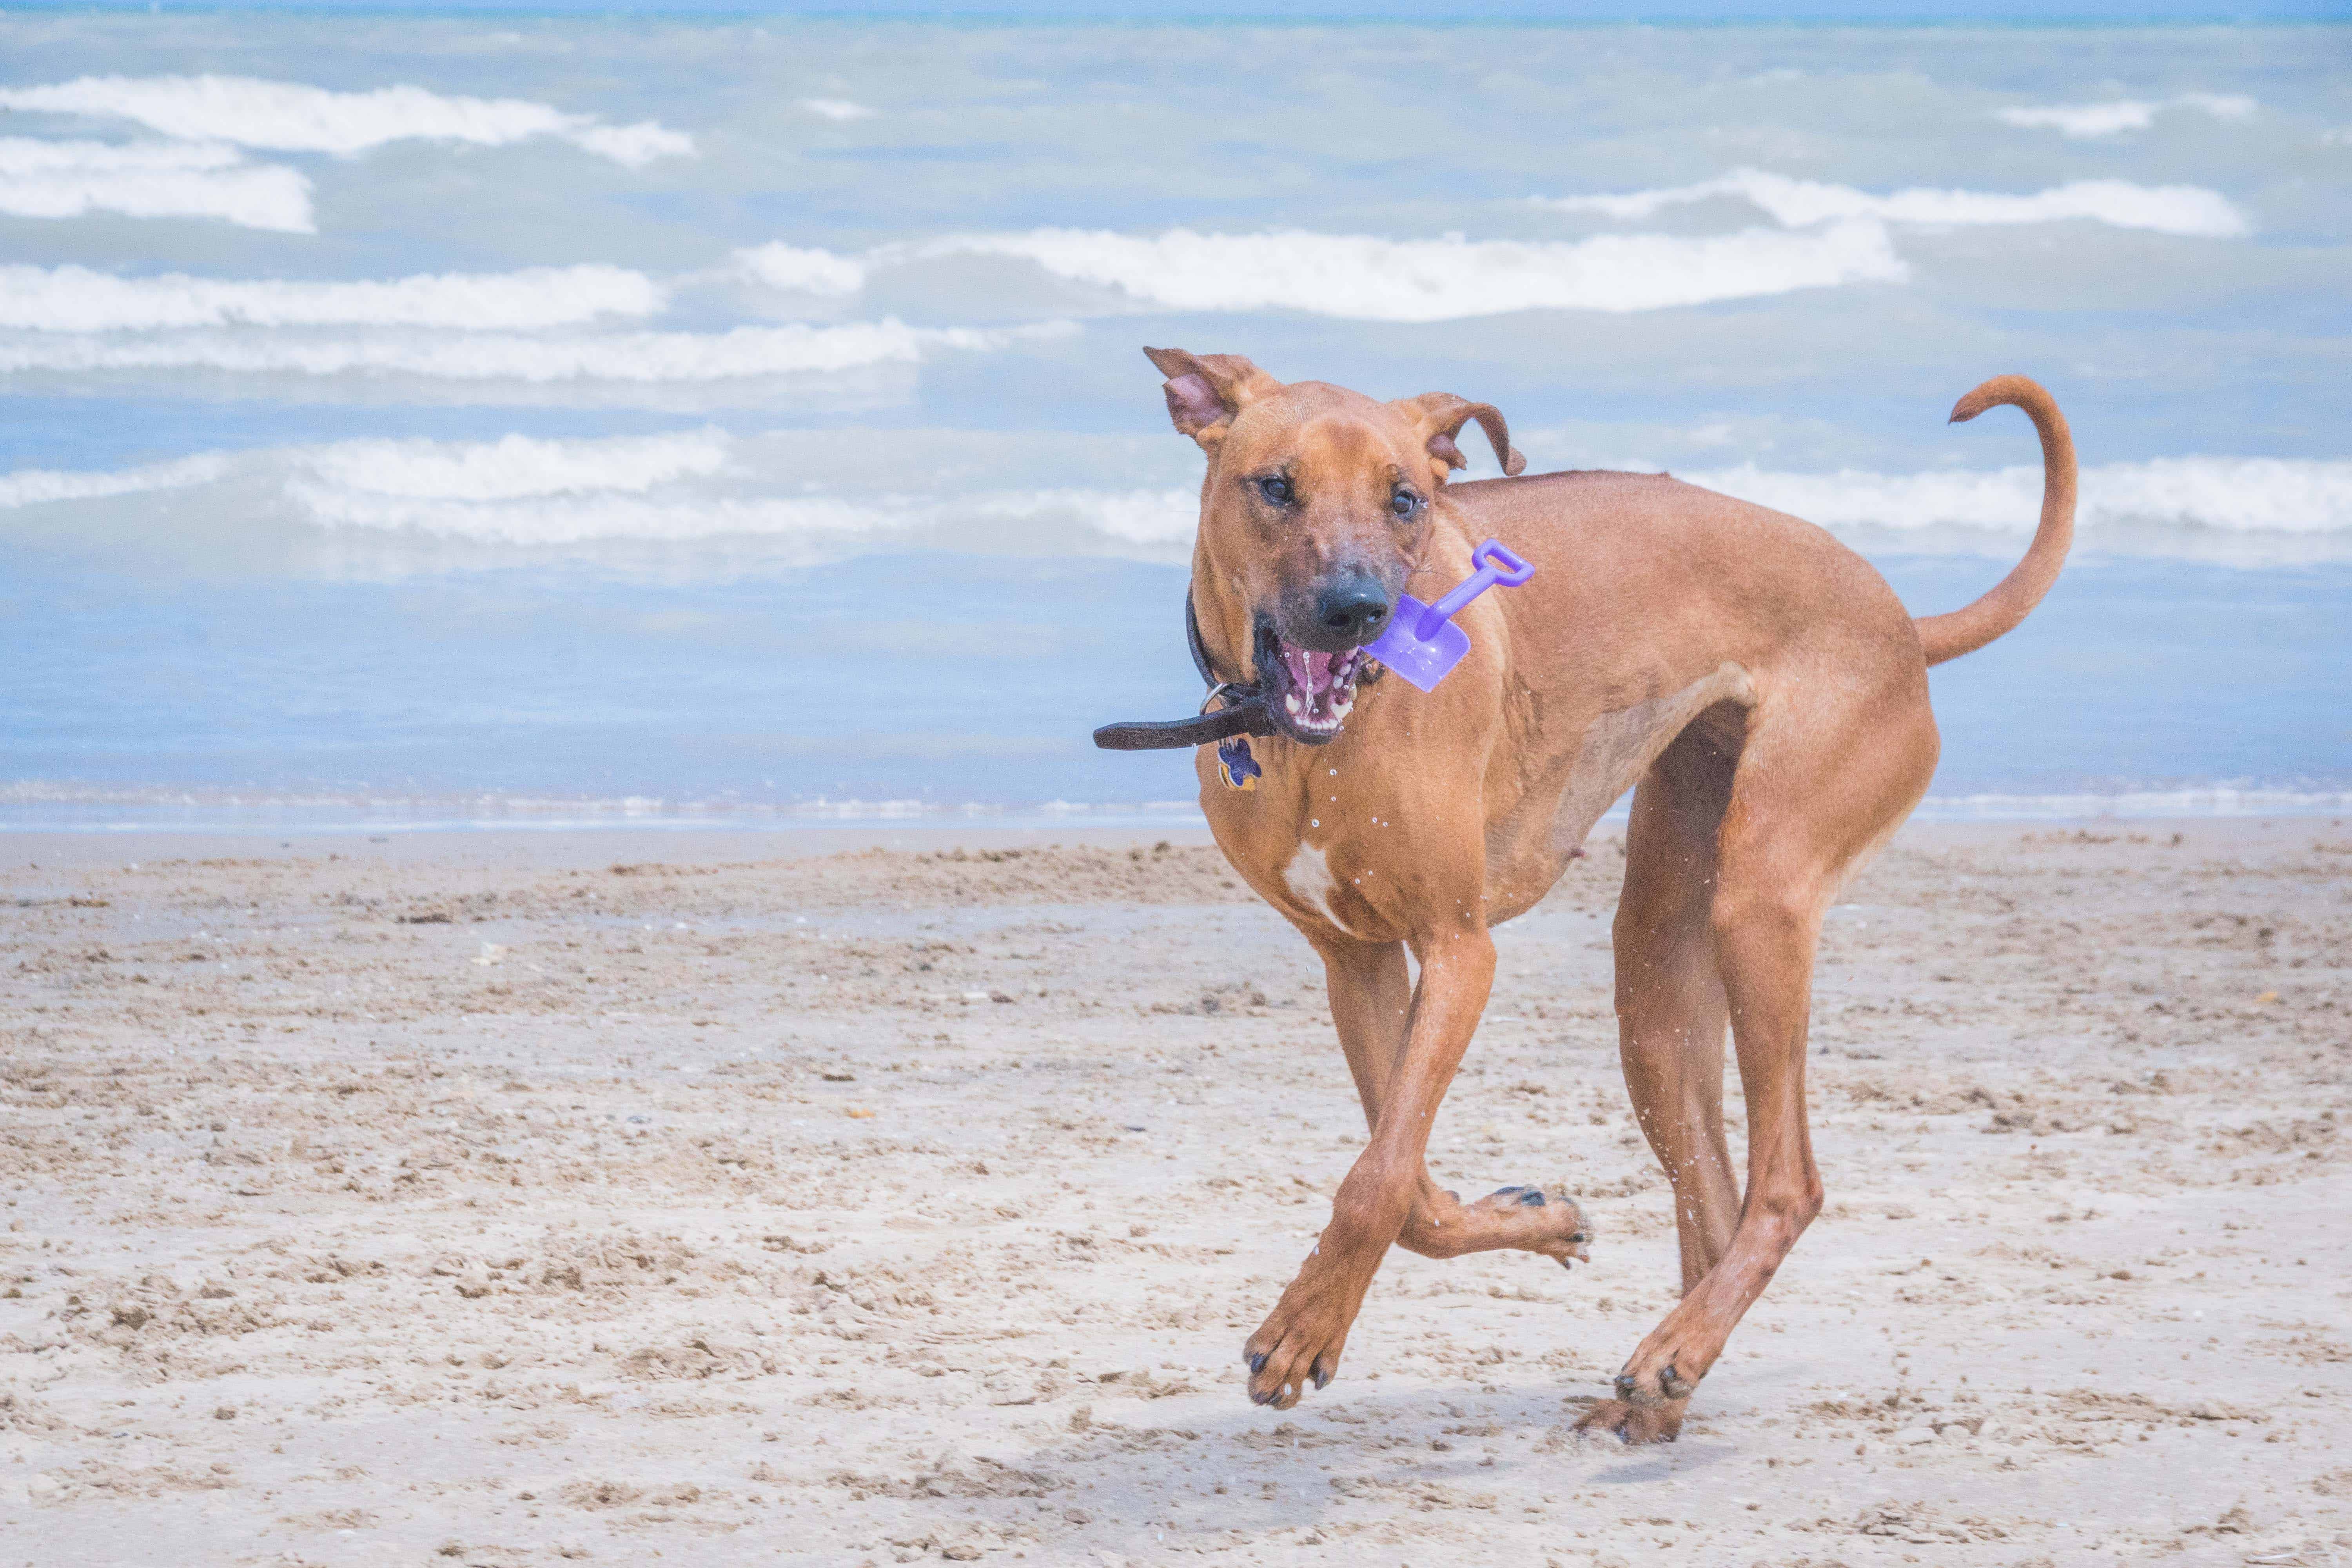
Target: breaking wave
[[611, 357], [514, 466], [826, 524], [150, 179], [1838, 235], [798, 271], [36, 487], [819, 526], [1364, 278], [2188, 210], [673, 489], [840, 111], [2086, 121], [2241, 496], [2194, 800], [290, 117], [523, 491], [77, 300], [72, 805]]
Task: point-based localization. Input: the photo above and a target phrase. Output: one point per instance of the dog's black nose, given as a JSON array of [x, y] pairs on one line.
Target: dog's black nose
[[1353, 610]]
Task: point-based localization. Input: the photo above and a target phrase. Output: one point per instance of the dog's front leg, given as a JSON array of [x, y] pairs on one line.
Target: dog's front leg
[[1300, 1341], [1371, 1005]]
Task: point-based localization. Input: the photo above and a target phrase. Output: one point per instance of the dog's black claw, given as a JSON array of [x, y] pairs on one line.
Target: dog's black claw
[[1261, 1399], [1532, 1198], [1257, 1363], [1322, 1378], [1627, 1387], [1502, 1192]]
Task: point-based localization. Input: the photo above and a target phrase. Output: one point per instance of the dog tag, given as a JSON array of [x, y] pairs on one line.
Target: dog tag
[[1422, 643], [1235, 766]]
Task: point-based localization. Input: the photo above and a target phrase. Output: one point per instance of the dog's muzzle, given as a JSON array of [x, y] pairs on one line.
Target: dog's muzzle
[[1302, 694], [1312, 692]]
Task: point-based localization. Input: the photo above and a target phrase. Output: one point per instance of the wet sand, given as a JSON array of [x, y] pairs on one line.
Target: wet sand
[[521, 1198]]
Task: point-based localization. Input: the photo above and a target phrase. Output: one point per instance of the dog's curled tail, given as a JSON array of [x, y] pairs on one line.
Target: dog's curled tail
[[2013, 597]]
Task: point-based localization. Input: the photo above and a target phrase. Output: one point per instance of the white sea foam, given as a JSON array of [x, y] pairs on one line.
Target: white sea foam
[[2086, 121], [2220, 105], [703, 484], [820, 522], [514, 466], [292, 117], [2208, 800], [607, 516], [76, 806], [1364, 278], [150, 179], [838, 109], [77, 300], [1142, 516], [36, 487], [2278, 495], [789, 267], [2164, 209], [674, 488], [611, 357], [695, 486]]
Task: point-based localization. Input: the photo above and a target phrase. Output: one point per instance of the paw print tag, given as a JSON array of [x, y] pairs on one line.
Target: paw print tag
[[1235, 766]]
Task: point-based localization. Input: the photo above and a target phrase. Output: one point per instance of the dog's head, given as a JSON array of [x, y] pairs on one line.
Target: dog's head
[[1318, 504]]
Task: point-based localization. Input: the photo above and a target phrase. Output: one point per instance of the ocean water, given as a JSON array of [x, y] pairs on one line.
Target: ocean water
[[412, 417]]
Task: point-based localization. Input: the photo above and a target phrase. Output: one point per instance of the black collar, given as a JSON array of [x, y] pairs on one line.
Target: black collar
[[1244, 711]]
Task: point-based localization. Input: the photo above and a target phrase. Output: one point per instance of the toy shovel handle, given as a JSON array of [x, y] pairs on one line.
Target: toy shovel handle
[[1496, 567]]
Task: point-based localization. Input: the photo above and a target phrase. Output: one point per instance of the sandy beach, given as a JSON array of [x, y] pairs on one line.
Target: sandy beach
[[724, 1198]]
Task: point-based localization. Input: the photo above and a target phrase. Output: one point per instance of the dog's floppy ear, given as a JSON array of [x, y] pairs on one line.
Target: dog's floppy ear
[[1442, 415], [1205, 391]]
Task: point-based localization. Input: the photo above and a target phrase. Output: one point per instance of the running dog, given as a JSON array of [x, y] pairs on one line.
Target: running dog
[[1755, 683]]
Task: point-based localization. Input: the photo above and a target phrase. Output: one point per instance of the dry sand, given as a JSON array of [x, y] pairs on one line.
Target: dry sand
[[514, 1199]]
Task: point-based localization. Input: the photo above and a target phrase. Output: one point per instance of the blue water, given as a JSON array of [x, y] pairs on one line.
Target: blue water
[[781, 439], [957, 679]]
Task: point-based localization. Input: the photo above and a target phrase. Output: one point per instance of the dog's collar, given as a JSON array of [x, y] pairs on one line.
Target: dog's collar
[[1244, 711]]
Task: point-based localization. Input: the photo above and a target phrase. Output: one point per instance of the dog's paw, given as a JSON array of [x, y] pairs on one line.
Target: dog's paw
[[1298, 1344], [1633, 1423], [1655, 1385], [1547, 1223]]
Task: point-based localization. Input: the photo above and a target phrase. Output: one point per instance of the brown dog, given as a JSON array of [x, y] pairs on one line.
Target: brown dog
[[1755, 683]]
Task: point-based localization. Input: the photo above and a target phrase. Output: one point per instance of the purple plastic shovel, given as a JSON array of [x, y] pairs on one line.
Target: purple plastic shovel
[[1423, 643]]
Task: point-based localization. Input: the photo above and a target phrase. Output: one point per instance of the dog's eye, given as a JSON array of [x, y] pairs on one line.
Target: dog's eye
[[1276, 490], [1405, 503]]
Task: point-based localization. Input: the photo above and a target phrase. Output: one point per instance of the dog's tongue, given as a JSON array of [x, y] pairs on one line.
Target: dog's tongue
[[1310, 672]]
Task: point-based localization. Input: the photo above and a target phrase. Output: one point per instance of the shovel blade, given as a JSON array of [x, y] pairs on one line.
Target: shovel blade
[[1421, 662]]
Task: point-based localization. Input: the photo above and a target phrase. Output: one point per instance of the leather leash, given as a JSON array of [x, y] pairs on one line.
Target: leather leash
[[1244, 711]]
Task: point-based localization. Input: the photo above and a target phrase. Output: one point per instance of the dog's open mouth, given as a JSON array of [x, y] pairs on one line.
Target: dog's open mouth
[[1313, 692]]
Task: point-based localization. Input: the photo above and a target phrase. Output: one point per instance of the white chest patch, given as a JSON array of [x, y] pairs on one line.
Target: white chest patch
[[1309, 878]]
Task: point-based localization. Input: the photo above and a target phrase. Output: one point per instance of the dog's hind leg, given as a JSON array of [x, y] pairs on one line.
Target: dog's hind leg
[[1817, 790], [1670, 1014], [1670, 1018], [1371, 1002]]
